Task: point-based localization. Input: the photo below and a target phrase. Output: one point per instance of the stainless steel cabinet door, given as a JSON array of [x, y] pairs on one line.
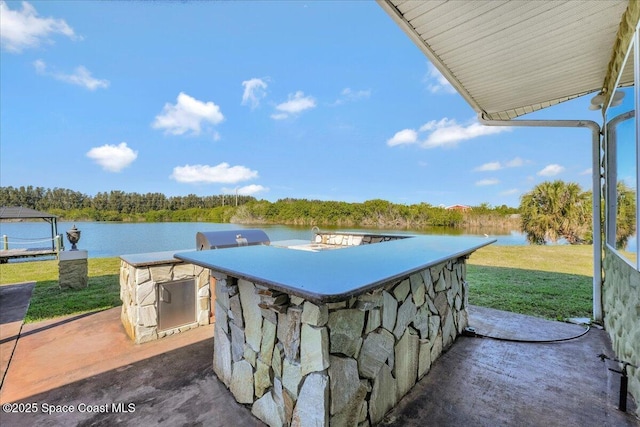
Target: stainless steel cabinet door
[[176, 304]]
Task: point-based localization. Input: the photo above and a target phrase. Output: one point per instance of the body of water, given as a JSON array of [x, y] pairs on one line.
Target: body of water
[[110, 239]]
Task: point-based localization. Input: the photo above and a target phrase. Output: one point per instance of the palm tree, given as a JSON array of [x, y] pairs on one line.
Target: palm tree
[[626, 214], [554, 210]]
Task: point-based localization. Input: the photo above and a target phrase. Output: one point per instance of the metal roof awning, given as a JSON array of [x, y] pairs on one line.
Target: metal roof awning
[[19, 212], [509, 58]]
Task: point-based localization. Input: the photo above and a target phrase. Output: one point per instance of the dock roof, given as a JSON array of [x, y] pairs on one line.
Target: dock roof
[[19, 212]]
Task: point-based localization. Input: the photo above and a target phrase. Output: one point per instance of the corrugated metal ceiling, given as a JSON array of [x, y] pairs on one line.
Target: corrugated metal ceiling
[[508, 58]]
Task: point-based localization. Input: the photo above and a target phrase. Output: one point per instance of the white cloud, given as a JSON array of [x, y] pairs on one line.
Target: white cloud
[[515, 162], [279, 116], [23, 29], [494, 166], [222, 173], [587, 171], [40, 66], [187, 115], [447, 132], [349, 95], [81, 76], [405, 136], [510, 192], [436, 82], [297, 103], [254, 90], [113, 158], [247, 190], [551, 170], [491, 181]]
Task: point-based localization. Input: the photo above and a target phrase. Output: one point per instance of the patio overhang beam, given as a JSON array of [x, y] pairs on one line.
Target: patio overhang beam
[[596, 133]]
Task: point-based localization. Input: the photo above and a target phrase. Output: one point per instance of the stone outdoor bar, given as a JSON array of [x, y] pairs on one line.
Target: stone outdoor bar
[[334, 331]]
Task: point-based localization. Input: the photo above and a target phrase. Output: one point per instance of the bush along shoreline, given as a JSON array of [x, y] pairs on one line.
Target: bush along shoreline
[[71, 205]]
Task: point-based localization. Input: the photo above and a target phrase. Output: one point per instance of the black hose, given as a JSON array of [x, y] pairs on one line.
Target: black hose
[[530, 341]]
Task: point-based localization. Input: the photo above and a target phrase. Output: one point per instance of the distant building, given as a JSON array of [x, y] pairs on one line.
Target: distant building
[[461, 208]]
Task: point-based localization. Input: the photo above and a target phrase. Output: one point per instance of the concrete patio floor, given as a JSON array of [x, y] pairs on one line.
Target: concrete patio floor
[[87, 363]]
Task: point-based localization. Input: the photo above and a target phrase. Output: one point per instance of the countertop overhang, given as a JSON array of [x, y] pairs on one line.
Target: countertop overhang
[[334, 275], [152, 258]]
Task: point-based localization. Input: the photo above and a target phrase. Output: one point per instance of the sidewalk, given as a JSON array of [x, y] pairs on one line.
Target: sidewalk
[[14, 302]]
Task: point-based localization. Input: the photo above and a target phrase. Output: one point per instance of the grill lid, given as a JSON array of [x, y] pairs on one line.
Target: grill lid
[[230, 238]]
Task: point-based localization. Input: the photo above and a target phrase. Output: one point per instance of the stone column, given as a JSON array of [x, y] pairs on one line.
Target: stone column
[[73, 269]]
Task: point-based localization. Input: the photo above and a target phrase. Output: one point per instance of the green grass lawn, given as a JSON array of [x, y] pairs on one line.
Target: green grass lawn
[[48, 300], [554, 282]]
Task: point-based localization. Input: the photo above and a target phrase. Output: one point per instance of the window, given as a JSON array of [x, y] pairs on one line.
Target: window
[[622, 159]]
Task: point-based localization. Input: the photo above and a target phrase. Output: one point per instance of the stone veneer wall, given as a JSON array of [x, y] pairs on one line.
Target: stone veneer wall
[[341, 364], [73, 274], [621, 301], [138, 292]]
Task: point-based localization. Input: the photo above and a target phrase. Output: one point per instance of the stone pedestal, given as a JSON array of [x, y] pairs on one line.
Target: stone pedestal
[[73, 269]]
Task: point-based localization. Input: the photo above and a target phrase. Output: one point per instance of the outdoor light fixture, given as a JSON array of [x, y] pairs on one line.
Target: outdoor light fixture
[[598, 100]]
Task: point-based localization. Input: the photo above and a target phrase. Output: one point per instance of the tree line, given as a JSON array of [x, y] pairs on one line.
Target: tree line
[[63, 200], [156, 207], [372, 213]]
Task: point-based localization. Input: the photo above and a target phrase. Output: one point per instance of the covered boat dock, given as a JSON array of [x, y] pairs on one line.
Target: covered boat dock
[[18, 213]]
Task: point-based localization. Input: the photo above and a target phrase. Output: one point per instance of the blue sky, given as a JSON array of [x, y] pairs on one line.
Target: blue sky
[[317, 100]]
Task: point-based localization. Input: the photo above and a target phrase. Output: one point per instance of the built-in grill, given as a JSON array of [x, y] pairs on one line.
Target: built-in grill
[[206, 240]]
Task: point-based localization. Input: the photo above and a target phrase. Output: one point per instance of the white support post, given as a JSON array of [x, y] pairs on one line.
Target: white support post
[[597, 217]]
